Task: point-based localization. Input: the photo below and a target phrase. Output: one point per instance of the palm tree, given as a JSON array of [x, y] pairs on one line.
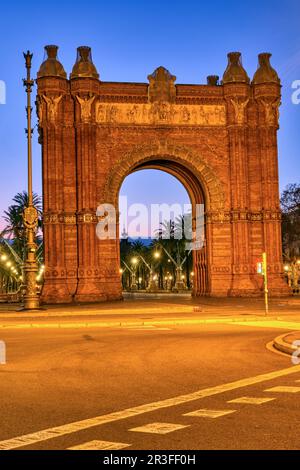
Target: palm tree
[[173, 236], [14, 215], [183, 230], [15, 230]]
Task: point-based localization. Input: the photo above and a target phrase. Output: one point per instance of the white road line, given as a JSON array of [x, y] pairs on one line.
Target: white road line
[[146, 328], [251, 400], [283, 325], [204, 413], [100, 445], [64, 429], [159, 428], [284, 389]]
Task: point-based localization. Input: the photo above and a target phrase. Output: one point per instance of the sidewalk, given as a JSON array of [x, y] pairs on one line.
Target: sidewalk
[[150, 312]]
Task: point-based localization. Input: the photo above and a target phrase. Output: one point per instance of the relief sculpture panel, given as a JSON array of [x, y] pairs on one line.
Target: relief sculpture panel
[[160, 113]]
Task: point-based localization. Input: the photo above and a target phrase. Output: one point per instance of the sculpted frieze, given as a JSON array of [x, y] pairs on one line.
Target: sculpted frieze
[[160, 113]]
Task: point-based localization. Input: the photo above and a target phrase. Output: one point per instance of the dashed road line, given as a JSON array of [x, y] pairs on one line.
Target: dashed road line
[[251, 400], [100, 445], [159, 428], [204, 413], [64, 429]]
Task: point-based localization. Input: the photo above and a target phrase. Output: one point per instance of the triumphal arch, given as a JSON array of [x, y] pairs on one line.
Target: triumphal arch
[[218, 139]]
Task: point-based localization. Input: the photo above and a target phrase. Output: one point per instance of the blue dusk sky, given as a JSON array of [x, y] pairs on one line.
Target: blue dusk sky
[[129, 39]]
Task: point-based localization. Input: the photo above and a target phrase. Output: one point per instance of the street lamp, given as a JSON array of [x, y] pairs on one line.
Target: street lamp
[[30, 214], [134, 262]]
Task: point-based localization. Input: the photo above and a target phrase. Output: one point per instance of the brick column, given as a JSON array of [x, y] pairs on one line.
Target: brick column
[[237, 97], [59, 189], [85, 92], [267, 96]]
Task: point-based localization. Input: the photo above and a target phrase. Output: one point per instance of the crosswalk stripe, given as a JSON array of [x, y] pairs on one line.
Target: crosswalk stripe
[[64, 429]]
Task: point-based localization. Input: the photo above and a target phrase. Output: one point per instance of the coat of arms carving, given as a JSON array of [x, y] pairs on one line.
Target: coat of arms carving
[[161, 86]]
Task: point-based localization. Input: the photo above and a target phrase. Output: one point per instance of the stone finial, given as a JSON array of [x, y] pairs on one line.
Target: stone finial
[[51, 67], [235, 72], [265, 72], [161, 86], [213, 80], [84, 67]]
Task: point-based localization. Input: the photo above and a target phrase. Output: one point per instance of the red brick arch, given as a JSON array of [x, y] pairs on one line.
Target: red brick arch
[[219, 140], [168, 152]]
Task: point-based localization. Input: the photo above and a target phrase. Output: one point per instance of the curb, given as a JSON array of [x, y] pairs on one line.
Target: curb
[[118, 324], [284, 346]]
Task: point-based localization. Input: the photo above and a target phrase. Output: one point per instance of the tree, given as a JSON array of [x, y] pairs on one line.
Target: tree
[[290, 204], [14, 230], [173, 235]]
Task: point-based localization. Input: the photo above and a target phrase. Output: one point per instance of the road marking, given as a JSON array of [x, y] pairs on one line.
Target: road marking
[[209, 413], [283, 325], [284, 389], [251, 400], [100, 445], [140, 327], [159, 428], [64, 429], [146, 328]]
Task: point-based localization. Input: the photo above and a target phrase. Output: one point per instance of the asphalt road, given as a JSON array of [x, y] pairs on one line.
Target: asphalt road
[[54, 377]]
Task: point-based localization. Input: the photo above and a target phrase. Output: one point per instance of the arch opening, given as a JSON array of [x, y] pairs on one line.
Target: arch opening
[[188, 261]]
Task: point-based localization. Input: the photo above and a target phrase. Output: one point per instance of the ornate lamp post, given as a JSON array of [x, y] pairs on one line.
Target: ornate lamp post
[[134, 262], [30, 215]]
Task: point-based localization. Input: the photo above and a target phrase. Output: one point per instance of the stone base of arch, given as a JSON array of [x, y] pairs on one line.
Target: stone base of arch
[[97, 291], [55, 291]]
